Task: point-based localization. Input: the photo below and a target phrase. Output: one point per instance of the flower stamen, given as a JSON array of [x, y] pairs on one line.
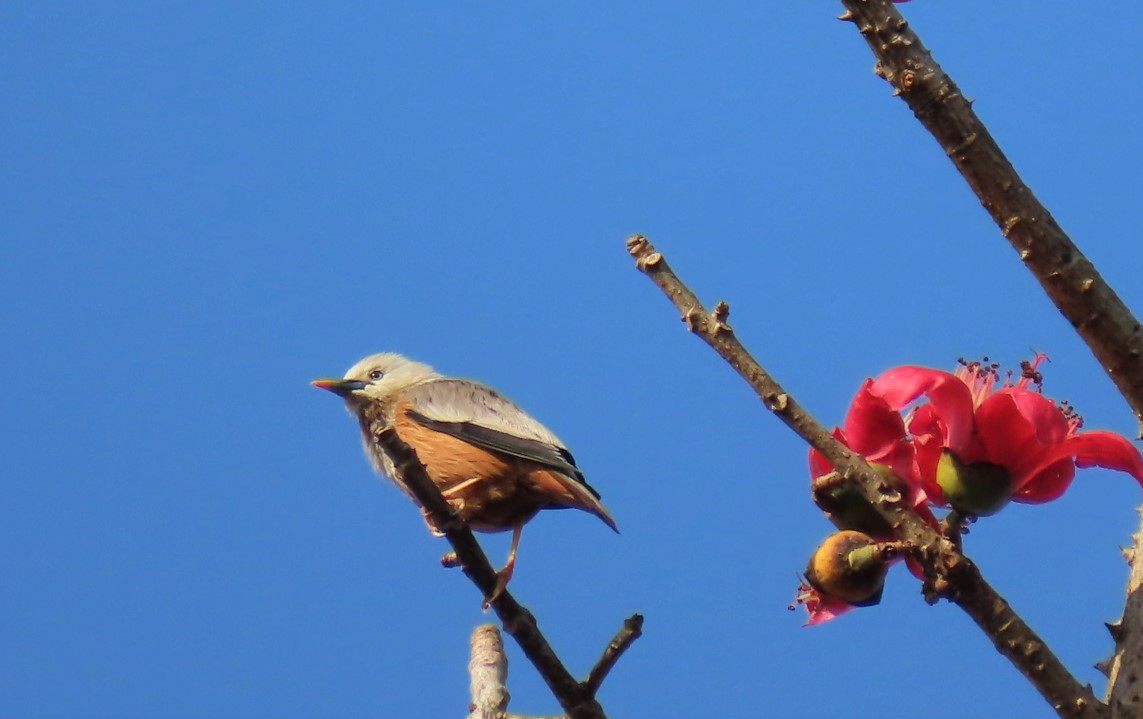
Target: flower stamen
[[979, 376], [1074, 418]]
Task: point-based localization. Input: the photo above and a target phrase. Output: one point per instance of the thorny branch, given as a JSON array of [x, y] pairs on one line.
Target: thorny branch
[[1102, 319], [1125, 691], [1071, 281], [576, 698], [948, 572]]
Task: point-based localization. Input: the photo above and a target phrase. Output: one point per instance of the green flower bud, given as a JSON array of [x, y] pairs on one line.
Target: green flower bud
[[980, 488], [848, 509]]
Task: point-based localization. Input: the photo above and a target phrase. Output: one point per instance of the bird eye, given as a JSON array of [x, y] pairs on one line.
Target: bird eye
[[376, 375]]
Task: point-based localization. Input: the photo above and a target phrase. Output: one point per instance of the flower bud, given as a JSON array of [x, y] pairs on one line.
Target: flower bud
[[847, 508], [979, 488], [849, 566]]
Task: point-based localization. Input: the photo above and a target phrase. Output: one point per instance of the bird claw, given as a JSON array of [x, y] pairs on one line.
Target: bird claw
[[502, 578]]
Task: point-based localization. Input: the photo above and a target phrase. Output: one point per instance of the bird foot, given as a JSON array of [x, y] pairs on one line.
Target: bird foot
[[502, 578]]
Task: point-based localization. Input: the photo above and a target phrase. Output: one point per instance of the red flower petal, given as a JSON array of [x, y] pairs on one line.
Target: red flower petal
[[924, 422], [1051, 425], [821, 607], [819, 465], [871, 424], [1100, 448], [1010, 438], [1048, 483], [928, 443], [949, 396], [901, 458], [915, 567], [1056, 467]]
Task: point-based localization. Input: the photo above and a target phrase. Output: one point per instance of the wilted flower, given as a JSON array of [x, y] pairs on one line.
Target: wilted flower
[[846, 571]]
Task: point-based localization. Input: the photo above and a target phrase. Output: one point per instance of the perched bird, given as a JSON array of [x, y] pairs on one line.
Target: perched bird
[[496, 465]]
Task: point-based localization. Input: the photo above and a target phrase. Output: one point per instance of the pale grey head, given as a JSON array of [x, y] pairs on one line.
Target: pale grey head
[[379, 377]]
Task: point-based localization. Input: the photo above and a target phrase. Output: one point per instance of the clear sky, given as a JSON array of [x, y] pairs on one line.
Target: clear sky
[[208, 204]]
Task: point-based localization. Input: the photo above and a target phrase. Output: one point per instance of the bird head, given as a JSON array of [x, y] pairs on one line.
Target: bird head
[[377, 377]]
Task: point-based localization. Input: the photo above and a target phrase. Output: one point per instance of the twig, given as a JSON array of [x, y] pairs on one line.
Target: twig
[[949, 573], [1071, 281], [632, 629], [576, 698], [487, 671]]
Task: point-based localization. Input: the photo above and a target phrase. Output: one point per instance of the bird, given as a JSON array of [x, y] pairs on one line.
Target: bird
[[495, 465]]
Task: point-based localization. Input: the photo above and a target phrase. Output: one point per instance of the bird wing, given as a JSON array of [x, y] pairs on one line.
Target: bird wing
[[482, 416]]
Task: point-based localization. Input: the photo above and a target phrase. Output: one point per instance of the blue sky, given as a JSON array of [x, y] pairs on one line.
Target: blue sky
[[209, 204]]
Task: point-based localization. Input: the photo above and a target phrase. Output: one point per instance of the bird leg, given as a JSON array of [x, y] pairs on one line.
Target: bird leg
[[456, 502], [451, 491], [505, 573]]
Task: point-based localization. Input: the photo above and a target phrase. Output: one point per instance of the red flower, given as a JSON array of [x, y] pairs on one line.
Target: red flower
[[970, 427]]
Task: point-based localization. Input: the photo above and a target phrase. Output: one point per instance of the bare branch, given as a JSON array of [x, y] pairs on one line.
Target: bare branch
[[949, 573], [632, 629], [488, 670], [1071, 281]]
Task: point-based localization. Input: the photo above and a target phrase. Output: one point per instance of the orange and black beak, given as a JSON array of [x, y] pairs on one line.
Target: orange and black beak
[[340, 387]]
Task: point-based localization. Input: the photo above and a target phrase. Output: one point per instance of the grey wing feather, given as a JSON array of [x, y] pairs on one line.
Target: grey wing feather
[[481, 415]]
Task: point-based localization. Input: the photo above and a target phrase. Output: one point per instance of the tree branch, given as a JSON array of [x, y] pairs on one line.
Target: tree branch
[[1125, 690], [632, 629], [1071, 281], [488, 671], [576, 698], [949, 573]]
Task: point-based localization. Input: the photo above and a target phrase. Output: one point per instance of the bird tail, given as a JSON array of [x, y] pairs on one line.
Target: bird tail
[[569, 493]]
